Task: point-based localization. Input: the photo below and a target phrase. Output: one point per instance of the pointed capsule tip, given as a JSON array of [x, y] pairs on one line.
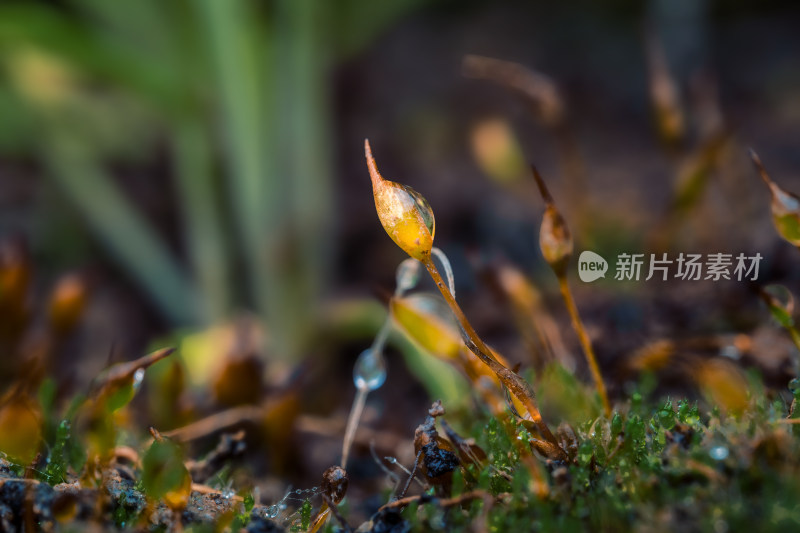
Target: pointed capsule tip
[[755, 159], [164, 352], [548, 199], [760, 167], [373, 168], [152, 358]]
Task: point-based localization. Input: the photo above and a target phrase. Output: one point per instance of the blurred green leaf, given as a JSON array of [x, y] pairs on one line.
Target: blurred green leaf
[[164, 475]]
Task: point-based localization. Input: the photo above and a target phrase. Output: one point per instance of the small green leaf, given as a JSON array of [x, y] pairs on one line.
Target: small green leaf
[[164, 475]]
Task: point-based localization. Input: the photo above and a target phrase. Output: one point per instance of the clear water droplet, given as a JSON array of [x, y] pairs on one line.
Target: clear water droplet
[[228, 494], [423, 207], [718, 453], [369, 371], [138, 377], [407, 275], [731, 352]]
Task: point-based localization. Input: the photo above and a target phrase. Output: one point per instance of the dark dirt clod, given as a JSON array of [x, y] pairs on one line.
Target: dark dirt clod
[[438, 461], [20, 497], [388, 521], [259, 524], [45, 505]]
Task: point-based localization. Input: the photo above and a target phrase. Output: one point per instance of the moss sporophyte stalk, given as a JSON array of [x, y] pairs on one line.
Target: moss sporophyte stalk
[[555, 241], [408, 219]]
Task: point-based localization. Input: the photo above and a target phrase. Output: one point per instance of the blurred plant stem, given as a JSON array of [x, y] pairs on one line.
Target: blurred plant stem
[[275, 116], [247, 75], [121, 228], [202, 219], [303, 86], [247, 139]]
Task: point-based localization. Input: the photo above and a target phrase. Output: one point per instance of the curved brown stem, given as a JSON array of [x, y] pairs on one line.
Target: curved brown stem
[[518, 386]]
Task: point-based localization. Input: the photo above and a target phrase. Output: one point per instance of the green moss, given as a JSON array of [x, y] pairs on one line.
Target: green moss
[[666, 466]]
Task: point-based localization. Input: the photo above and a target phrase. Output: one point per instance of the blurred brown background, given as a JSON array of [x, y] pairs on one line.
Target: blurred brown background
[[194, 160]]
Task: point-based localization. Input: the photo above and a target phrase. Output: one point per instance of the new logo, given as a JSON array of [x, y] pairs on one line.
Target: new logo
[[591, 266]]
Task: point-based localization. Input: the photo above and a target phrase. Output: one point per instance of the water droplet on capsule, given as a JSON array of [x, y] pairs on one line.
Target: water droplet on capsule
[[423, 207], [138, 377]]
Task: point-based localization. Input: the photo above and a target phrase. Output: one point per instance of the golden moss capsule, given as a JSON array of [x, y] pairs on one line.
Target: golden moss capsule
[[20, 428], [404, 213], [555, 240], [554, 236], [67, 303]]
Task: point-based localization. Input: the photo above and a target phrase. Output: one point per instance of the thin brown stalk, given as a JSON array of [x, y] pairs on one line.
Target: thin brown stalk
[[336, 514], [518, 386], [556, 244], [216, 422], [320, 518], [441, 502], [549, 107], [585, 341]]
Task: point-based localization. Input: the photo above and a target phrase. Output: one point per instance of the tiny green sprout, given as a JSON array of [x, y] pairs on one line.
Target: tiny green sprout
[[164, 476], [57, 461], [404, 213], [785, 206], [305, 515], [616, 425]]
